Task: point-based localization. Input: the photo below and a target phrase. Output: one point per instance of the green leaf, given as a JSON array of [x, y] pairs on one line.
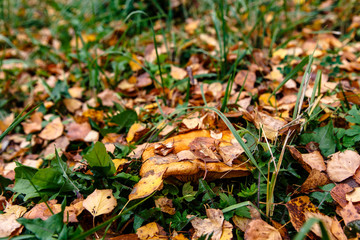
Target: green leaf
[[44, 229], [99, 160], [23, 175], [125, 119], [243, 212], [188, 192], [4, 182], [324, 136], [50, 179], [354, 115]]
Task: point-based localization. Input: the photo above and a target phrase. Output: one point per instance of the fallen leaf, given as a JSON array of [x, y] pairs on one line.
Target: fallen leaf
[[148, 184], [165, 205], [135, 63], [215, 224], [245, 76], [354, 196], [315, 179], [265, 101], [343, 165], [72, 104], [261, 230], [151, 231], [338, 193], [108, 97], [163, 149], [297, 208], [34, 125], [136, 131], [100, 202], [349, 213], [53, 130], [9, 225], [61, 144], [42, 211], [177, 73], [78, 131]]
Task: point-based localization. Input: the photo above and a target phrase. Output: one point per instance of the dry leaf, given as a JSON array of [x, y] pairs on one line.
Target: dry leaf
[[245, 76], [61, 144], [261, 230], [53, 130], [8, 220], [78, 131], [349, 213], [34, 124], [177, 73], [354, 196], [265, 101], [136, 131], [165, 205], [135, 63], [100, 202], [42, 211], [338, 193], [215, 224], [151, 182], [297, 208], [151, 231], [331, 224], [72, 104], [343, 165], [314, 180], [108, 97]]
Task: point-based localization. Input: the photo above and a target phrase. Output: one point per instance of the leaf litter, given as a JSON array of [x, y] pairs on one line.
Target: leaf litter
[[115, 127]]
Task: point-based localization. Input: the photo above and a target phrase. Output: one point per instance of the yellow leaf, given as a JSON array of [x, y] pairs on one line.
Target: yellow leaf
[[100, 202], [265, 101], [151, 182], [135, 63]]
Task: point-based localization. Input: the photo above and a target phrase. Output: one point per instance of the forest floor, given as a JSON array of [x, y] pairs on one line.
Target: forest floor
[[179, 119]]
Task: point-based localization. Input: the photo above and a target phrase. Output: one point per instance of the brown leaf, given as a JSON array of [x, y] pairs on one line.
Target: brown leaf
[[343, 165], [136, 131], [354, 196], [309, 161], [349, 213], [314, 180], [9, 225], [61, 144], [34, 124], [163, 149], [330, 224], [42, 211], [297, 208], [230, 153], [53, 130], [108, 97], [100, 202], [72, 104], [177, 73], [338, 193], [215, 224], [78, 131], [165, 205], [245, 76], [261, 230]]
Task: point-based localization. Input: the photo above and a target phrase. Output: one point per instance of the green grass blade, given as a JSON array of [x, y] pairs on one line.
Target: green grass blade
[[290, 75], [307, 228], [317, 85], [18, 120]]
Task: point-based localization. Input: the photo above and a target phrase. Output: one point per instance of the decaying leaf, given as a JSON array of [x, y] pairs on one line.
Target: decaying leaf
[[42, 211], [338, 193], [100, 202], [315, 179], [53, 130], [349, 213], [150, 182], [9, 225], [297, 208], [165, 205], [343, 165], [309, 161], [151, 231], [215, 224], [246, 77], [261, 230], [34, 124], [331, 224]]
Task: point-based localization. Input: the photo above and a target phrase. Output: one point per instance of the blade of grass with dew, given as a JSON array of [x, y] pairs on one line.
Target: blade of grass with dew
[[18, 120], [290, 75], [306, 228]]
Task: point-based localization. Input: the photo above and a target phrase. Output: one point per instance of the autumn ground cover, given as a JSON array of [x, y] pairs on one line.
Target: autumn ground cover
[[179, 119]]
